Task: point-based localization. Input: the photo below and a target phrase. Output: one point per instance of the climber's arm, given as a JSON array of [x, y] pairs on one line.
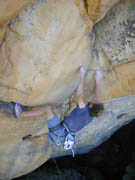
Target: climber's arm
[[80, 100], [98, 77], [96, 93]]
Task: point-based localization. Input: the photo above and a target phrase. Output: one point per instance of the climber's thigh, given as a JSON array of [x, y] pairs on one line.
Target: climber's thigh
[[49, 114]]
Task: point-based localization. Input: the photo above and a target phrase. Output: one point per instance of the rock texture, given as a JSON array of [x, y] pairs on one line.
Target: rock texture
[[95, 9], [40, 56], [15, 153], [114, 50], [33, 71], [52, 174], [50, 41], [20, 157], [9, 9]]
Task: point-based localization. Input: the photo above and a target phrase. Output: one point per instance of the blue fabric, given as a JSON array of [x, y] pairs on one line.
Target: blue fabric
[[53, 137], [17, 110], [53, 122], [78, 119]]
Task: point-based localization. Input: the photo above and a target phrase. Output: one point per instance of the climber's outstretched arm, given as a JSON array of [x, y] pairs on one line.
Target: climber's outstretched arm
[[81, 103], [98, 77]]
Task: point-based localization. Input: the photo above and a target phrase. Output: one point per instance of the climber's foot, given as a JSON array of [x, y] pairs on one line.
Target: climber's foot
[[27, 137], [17, 110], [99, 75], [82, 72]]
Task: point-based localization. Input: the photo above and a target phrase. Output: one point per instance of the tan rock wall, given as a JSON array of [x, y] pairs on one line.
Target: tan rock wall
[[42, 47], [49, 41], [39, 63], [18, 158], [14, 154], [95, 9], [8, 10], [125, 83], [2, 33], [114, 50]]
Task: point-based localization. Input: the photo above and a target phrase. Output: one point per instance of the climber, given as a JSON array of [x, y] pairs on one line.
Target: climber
[[82, 115]]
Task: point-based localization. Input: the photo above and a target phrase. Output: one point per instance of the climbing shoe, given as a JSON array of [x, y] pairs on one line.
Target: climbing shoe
[[27, 137], [17, 110]]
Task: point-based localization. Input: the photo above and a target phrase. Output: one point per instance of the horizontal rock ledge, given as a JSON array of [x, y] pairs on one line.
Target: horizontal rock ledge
[[118, 112], [27, 156]]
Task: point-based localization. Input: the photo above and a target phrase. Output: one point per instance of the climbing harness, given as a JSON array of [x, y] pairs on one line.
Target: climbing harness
[[69, 143], [17, 109], [58, 138], [69, 140], [55, 128]]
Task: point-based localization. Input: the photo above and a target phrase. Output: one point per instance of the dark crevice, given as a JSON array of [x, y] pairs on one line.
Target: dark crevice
[[86, 5], [109, 161]]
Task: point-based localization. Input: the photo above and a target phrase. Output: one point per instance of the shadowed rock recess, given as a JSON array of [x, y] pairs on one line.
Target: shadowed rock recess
[[42, 48]]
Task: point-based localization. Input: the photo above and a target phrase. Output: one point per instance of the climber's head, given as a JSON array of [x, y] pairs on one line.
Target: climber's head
[[95, 108]]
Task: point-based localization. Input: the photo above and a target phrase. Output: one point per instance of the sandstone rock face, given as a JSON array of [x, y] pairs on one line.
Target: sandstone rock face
[[49, 41], [114, 50], [18, 158], [3, 29], [40, 57], [14, 153], [40, 50], [95, 9], [9, 9]]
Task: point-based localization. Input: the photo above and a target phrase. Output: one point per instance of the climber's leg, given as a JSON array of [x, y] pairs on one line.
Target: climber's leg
[[46, 109], [17, 109], [35, 138], [49, 112], [52, 120]]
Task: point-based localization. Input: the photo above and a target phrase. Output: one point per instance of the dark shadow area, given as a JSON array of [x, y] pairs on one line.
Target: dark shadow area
[[114, 159], [8, 108]]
